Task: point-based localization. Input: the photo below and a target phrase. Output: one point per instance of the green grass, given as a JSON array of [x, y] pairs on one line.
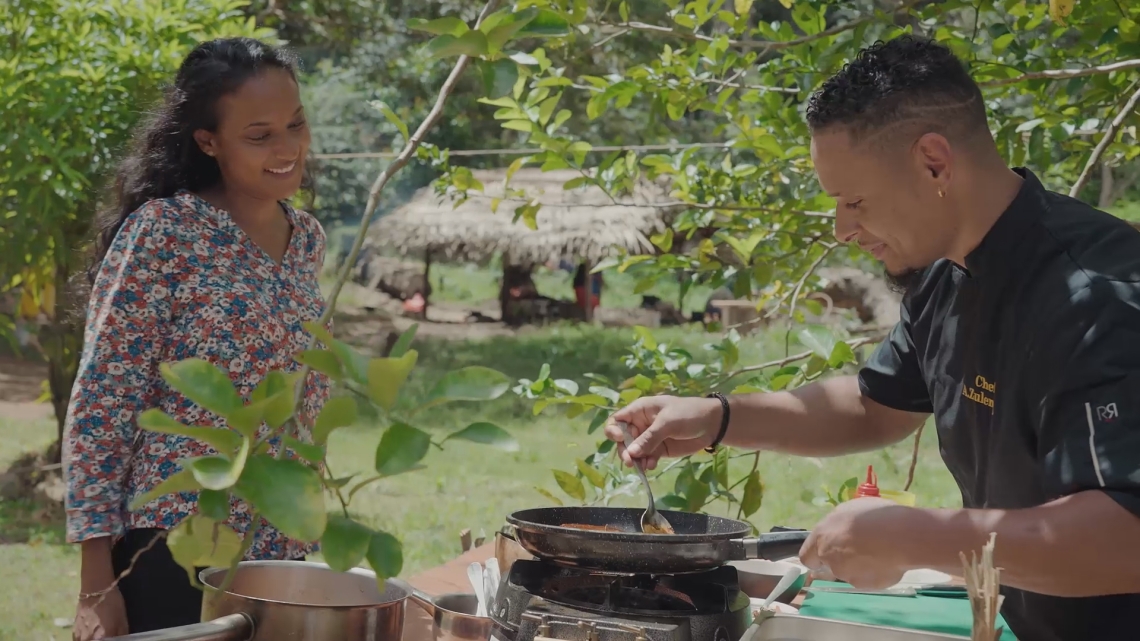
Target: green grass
[[1129, 211], [464, 485], [473, 284]]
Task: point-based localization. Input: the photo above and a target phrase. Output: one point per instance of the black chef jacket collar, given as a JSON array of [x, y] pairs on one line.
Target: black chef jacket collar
[[997, 248]]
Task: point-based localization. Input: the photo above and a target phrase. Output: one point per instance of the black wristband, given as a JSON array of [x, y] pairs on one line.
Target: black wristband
[[724, 416]]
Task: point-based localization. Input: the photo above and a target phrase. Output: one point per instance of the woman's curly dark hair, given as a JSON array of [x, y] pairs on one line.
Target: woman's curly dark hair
[[164, 157]]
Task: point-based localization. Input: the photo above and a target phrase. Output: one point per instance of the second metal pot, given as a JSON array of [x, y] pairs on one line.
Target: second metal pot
[[453, 617]]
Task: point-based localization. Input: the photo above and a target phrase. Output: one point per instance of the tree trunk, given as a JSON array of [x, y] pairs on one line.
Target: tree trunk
[[1107, 196], [62, 341]]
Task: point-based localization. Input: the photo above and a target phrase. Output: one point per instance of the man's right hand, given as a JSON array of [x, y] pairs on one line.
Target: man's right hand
[[95, 620], [665, 426]]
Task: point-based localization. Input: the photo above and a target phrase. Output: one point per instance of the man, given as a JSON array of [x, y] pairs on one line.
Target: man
[[1019, 332]]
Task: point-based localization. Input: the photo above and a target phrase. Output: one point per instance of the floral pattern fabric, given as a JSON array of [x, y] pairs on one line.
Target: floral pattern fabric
[[182, 280]]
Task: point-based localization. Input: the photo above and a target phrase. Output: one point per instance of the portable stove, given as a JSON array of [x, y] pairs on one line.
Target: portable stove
[[540, 601]]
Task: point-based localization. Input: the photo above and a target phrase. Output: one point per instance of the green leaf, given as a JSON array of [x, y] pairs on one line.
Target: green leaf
[[386, 376], [323, 361], [404, 342], [696, 496], [344, 543], [472, 43], [646, 337], [199, 541], [276, 391], [720, 467], [487, 434], [1128, 29], [181, 481], [385, 555], [220, 472], [223, 440], [547, 24], [500, 34], [499, 77], [447, 25], [570, 484], [354, 363], [203, 383], [753, 494], [841, 354], [287, 493], [392, 117], [743, 7], [338, 412], [472, 383], [819, 340], [214, 504], [311, 453], [847, 490], [401, 448], [623, 11], [595, 477], [550, 497], [672, 502]]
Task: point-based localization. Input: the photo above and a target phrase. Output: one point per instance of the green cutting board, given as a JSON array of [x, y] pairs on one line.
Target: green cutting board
[[947, 615]]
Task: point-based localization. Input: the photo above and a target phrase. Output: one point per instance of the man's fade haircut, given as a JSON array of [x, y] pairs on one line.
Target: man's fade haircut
[[909, 85]]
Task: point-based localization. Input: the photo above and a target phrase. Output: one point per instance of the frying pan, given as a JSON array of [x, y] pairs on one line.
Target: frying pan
[[701, 541]]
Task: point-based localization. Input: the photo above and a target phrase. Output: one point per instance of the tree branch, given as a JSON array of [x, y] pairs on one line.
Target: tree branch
[[768, 45], [780, 362], [1105, 141], [1064, 74], [827, 249]]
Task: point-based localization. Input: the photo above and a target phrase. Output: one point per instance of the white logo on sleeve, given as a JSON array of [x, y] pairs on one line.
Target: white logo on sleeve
[[1107, 413]]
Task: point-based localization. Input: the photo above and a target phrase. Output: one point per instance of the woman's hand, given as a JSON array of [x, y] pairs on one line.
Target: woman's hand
[[100, 617]]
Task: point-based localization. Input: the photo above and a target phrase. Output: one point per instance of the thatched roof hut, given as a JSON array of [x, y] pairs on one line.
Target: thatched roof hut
[[581, 224]]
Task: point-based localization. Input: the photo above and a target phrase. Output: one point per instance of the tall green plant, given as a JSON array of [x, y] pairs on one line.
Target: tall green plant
[[74, 77]]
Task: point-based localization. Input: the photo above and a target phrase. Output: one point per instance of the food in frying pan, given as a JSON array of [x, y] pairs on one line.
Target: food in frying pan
[[598, 528]]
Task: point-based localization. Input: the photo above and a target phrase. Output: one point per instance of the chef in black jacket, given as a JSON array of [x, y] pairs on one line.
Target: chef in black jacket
[[1019, 332]]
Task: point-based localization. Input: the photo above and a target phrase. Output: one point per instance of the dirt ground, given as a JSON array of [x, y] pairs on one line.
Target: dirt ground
[[366, 322], [20, 385]]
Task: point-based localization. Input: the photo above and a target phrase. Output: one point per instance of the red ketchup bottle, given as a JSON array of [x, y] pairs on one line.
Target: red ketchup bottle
[[870, 487]]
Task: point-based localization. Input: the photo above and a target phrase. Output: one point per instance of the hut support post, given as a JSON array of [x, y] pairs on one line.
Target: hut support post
[[589, 291], [427, 280]]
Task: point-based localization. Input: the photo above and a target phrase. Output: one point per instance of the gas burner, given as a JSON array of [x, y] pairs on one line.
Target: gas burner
[[540, 600]]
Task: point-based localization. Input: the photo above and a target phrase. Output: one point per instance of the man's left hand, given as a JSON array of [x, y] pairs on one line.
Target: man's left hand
[[858, 543]]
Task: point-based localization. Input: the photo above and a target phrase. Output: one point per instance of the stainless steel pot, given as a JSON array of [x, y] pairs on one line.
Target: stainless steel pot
[[293, 601], [453, 617]]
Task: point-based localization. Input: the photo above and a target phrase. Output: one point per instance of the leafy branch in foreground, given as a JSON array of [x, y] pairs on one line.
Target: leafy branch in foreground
[[702, 481]]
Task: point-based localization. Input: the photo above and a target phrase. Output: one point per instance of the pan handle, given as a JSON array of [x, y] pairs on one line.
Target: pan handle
[[235, 627], [774, 546], [421, 599]]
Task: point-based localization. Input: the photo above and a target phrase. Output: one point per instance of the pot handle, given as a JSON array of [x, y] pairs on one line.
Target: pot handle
[[421, 599], [774, 546], [235, 627]]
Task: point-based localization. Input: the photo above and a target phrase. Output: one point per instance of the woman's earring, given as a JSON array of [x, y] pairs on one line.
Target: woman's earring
[[941, 194]]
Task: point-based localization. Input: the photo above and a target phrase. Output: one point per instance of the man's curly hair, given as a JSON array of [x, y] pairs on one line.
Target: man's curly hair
[[908, 83]]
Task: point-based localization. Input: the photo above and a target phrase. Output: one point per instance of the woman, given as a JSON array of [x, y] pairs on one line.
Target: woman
[[202, 257]]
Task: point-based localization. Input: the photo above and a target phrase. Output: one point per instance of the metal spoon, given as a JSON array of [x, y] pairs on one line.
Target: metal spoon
[[651, 521]]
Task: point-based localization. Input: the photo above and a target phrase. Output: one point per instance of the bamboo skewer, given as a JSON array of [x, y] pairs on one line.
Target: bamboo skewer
[[983, 581]]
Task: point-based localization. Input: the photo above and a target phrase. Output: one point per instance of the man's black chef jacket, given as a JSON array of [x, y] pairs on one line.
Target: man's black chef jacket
[[1029, 359]]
